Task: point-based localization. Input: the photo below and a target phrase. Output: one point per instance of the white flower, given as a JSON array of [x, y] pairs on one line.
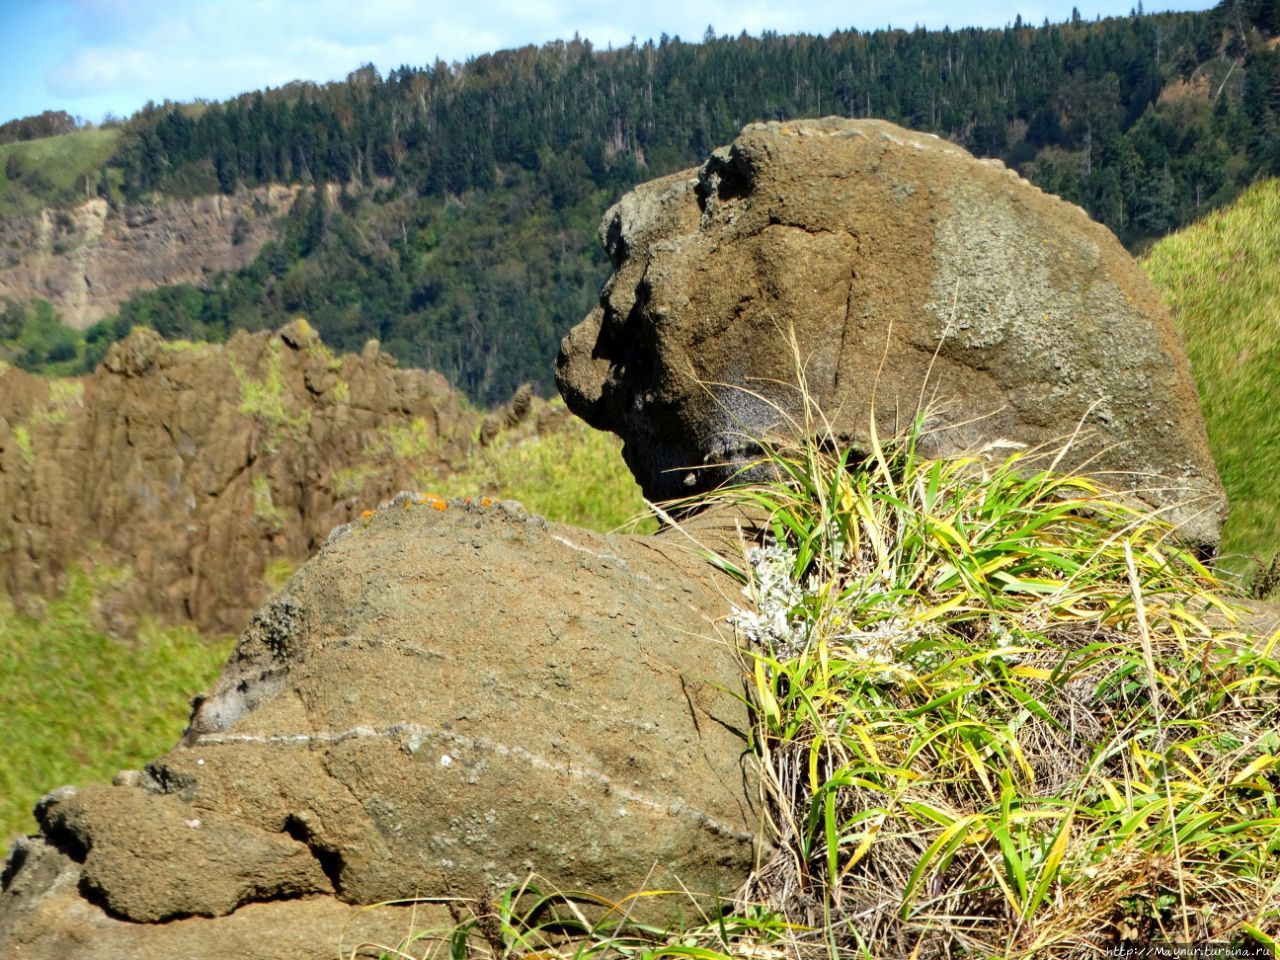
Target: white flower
[[773, 624]]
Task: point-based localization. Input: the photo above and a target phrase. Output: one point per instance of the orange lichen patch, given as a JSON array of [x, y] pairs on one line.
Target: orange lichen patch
[[366, 514], [486, 502], [432, 500]]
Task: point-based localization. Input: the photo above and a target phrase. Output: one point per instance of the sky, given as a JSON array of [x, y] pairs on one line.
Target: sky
[[94, 57]]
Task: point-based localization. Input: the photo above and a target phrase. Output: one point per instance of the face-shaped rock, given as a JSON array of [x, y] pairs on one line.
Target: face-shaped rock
[[880, 269]]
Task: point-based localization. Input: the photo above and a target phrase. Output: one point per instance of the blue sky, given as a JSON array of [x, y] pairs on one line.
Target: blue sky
[[90, 57]]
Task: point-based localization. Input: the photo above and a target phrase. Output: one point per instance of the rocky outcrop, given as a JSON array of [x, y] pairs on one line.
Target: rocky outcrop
[[906, 270], [43, 916], [194, 467], [87, 259], [448, 697]]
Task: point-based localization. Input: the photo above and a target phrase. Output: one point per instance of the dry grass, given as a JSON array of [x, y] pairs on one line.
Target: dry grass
[[1002, 713]]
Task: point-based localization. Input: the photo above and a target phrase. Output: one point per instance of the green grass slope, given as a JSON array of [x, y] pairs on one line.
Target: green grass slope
[[54, 171], [1219, 278], [573, 474], [76, 705]]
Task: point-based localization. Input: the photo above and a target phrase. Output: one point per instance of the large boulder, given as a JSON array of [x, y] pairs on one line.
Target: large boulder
[[447, 698], [906, 270]]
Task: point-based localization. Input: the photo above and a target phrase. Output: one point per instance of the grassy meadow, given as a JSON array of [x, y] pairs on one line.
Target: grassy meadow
[[1221, 279], [79, 705], [53, 171], [573, 474]]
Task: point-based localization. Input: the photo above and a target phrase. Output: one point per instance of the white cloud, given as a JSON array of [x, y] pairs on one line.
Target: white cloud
[[93, 69]]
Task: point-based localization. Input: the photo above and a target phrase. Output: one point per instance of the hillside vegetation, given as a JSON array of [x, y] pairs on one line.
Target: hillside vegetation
[[1220, 280], [54, 171], [77, 705], [464, 237]]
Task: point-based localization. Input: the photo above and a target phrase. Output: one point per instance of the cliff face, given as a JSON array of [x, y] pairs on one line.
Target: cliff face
[[86, 260], [196, 466]]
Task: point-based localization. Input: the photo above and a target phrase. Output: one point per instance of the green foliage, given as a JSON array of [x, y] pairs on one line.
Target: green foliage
[[350, 481], [481, 292], [22, 440], [55, 171], [79, 705], [278, 572], [38, 342], [573, 474], [411, 440], [265, 400], [264, 507], [63, 395], [50, 123], [997, 693], [1219, 279]]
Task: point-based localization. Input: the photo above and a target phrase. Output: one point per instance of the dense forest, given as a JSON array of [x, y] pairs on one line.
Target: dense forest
[[455, 205]]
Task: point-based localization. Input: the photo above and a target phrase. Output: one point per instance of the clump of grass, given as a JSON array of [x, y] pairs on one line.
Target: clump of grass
[[79, 705], [1219, 279], [63, 395], [1000, 712], [350, 481], [412, 440], [278, 571], [26, 447]]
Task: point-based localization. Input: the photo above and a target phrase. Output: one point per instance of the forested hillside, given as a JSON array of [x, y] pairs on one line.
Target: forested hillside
[[462, 232]]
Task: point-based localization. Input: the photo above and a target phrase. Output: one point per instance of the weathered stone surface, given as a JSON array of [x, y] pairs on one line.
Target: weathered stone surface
[[150, 858], [441, 701], [195, 466], [906, 269], [43, 916]]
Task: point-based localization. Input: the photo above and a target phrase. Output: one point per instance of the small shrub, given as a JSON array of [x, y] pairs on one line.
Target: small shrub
[[414, 440], [22, 440], [63, 395], [350, 481], [278, 571]]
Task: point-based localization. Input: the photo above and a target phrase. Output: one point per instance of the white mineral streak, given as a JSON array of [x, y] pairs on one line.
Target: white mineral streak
[[412, 735]]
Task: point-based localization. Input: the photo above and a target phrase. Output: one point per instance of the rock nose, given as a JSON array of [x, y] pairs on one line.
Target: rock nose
[[581, 373]]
